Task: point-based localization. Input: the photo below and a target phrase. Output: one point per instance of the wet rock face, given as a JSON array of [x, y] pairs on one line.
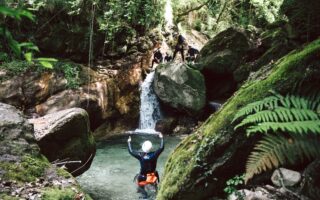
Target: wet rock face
[[232, 56], [166, 126], [24, 172], [311, 180], [200, 166], [30, 88], [220, 57], [16, 134], [180, 87], [66, 135]]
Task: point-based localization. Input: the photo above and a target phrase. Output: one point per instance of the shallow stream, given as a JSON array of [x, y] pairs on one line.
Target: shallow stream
[[111, 174]]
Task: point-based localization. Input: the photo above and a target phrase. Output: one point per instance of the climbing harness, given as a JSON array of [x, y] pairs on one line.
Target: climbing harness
[[152, 178]]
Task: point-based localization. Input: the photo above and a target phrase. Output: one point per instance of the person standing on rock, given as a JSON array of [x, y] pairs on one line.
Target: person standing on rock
[[148, 163], [181, 43]]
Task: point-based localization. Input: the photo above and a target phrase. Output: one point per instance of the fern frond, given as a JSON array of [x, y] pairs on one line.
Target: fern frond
[[257, 106], [274, 150], [296, 127], [280, 114]]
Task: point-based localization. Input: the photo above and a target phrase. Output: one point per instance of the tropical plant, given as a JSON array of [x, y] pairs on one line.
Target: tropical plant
[[291, 125], [232, 186], [27, 49]]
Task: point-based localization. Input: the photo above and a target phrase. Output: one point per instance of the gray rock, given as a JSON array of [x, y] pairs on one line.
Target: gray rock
[[180, 87], [66, 134], [14, 134], [249, 195], [286, 176], [166, 126]]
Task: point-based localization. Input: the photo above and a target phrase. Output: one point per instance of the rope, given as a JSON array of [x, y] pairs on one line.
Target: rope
[[82, 165], [90, 49], [47, 22]]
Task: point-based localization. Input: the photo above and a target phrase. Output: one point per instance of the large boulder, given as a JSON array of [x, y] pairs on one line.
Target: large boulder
[[24, 172], [233, 55], [30, 88], [66, 135], [16, 135], [311, 180], [220, 57], [214, 153], [180, 87]]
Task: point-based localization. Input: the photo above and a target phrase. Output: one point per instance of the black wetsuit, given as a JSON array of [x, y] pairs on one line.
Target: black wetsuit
[[192, 52], [148, 164], [148, 161], [168, 58], [157, 57], [179, 47]]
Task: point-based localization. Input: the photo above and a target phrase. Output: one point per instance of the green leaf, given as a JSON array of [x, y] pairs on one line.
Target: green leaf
[[29, 46], [28, 56], [47, 59], [46, 64]]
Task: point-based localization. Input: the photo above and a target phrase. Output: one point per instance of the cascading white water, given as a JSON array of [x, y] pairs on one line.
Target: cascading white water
[[149, 106], [168, 15]]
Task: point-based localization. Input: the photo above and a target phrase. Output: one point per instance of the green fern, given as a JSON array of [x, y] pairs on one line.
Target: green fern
[[297, 116], [288, 114], [276, 150], [297, 127], [257, 106]]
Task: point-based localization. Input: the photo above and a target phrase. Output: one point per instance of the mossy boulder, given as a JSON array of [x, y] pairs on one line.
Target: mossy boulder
[[203, 162], [274, 43], [24, 172], [66, 135], [181, 87], [220, 57]]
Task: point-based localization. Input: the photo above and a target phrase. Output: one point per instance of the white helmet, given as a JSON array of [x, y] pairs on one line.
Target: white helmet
[[146, 146]]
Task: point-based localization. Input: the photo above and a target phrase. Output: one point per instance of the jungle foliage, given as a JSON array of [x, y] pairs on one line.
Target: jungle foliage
[[291, 128]]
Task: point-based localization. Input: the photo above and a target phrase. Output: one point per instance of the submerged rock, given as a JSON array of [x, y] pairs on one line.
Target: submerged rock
[[201, 165], [66, 135], [180, 87]]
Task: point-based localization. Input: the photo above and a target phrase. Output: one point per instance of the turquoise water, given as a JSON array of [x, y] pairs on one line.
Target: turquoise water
[[111, 174]]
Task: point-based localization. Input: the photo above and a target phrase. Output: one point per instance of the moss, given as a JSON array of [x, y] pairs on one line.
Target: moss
[[18, 67], [209, 145], [27, 170], [7, 197], [61, 194], [63, 173], [58, 194]]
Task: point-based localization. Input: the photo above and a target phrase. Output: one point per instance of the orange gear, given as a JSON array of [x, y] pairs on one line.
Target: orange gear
[[151, 179]]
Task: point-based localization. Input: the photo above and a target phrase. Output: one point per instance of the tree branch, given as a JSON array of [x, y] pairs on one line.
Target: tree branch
[[190, 10]]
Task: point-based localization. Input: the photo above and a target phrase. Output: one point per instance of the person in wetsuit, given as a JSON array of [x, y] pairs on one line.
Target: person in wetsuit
[[148, 161], [167, 58], [192, 54], [157, 57], [180, 47]]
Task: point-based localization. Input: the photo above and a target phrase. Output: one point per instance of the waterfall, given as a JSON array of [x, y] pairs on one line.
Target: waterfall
[[149, 105], [168, 15]]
